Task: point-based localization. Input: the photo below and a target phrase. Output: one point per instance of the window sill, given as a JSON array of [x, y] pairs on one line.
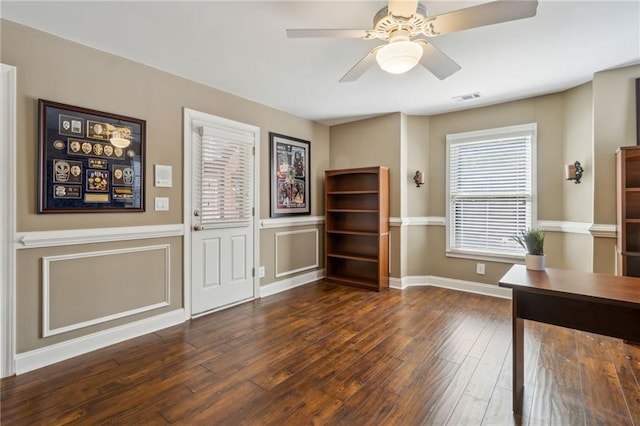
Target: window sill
[[487, 257]]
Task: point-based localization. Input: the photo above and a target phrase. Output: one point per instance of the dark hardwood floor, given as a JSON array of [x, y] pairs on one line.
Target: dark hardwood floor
[[327, 354]]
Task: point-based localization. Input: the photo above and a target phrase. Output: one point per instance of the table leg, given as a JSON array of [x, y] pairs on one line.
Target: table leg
[[518, 357]]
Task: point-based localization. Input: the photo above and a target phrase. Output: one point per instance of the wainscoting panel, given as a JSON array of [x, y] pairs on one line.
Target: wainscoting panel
[[83, 289], [296, 251]]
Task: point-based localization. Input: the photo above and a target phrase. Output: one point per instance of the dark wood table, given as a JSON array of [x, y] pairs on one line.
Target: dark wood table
[[598, 303]]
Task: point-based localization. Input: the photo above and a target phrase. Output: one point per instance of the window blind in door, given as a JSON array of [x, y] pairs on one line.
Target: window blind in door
[[226, 179]]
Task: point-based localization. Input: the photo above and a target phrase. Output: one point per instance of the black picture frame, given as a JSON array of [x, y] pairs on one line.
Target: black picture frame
[[80, 168], [290, 175], [638, 111]]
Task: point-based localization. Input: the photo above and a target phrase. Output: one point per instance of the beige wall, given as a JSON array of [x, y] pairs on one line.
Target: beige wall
[[614, 123], [58, 70], [371, 142], [578, 146], [377, 142], [418, 156], [568, 130], [613, 126], [578, 198], [547, 111]]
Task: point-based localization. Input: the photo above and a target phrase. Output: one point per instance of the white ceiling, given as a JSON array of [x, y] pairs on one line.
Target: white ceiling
[[241, 47]]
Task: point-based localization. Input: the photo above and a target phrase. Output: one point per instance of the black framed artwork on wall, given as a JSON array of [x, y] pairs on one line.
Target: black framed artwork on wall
[[290, 176]]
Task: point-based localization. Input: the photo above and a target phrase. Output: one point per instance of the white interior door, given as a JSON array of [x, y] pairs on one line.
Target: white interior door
[[222, 215]]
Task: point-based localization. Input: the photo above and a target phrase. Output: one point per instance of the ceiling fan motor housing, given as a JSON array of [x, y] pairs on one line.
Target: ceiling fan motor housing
[[385, 25]]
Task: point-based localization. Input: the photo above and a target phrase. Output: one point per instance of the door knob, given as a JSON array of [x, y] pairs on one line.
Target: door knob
[[197, 227]]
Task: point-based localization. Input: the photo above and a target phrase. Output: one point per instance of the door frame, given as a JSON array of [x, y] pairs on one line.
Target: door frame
[[8, 220], [190, 120]]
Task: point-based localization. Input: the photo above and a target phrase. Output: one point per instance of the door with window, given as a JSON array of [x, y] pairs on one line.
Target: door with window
[[222, 236]]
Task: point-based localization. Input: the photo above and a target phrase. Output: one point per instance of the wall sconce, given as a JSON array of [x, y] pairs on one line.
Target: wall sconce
[[418, 178], [573, 172]]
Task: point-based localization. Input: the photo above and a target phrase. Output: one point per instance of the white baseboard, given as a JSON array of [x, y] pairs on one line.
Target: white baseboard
[[396, 283], [450, 283], [42, 357], [289, 283]]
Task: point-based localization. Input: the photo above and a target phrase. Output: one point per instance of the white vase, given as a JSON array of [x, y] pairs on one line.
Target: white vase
[[534, 262]]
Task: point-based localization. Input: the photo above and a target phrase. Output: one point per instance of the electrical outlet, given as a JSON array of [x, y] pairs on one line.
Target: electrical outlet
[[480, 268], [261, 272]]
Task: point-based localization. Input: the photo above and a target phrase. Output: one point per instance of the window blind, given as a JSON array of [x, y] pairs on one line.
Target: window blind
[[226, 170], [490, 193]]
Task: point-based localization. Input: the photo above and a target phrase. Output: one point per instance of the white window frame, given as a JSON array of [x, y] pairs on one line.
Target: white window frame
[[530, 130]]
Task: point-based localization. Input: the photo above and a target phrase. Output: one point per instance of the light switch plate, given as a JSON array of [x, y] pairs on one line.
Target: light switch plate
[[162, 204]]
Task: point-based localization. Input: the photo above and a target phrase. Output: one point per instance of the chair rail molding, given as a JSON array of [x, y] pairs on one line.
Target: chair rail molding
[[603, 230], [291, 221], [397, 222], [68, 237], [563, 226]]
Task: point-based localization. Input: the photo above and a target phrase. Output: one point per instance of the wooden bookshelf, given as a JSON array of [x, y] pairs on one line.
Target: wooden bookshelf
[[628, 211], [357, 227]]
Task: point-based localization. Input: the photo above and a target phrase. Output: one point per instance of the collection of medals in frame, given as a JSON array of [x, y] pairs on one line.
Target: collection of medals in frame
[[90, 161]]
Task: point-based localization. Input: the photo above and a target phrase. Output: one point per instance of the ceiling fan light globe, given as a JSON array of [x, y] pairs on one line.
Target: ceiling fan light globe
[[399, 57]]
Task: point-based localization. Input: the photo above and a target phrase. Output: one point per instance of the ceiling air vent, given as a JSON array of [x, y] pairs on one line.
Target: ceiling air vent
[[466, 97]]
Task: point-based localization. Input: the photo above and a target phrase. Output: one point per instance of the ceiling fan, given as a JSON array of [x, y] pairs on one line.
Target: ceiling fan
[[405, 26]]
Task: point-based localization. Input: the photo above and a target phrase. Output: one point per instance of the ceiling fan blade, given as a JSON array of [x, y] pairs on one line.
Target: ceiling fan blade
[[403, 8], [481, 15], [364, 64], [301, 33], [437, 62]]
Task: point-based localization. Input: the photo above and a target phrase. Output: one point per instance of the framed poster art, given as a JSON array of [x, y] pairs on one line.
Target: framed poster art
[[637, 111], [290, 176], [90, 161]]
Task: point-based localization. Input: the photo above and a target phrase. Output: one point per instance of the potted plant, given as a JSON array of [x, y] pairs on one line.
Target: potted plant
[[532, 241]]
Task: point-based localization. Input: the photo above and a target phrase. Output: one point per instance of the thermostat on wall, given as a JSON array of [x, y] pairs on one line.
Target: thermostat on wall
[[163, 176]]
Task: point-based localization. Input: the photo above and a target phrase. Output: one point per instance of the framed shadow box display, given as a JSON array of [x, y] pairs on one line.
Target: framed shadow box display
[[90, 161], [290, 176]]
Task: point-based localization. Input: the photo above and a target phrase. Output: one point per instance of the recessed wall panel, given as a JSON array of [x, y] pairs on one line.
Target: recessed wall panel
[[211, 255], [83, 289], [296, 251], [239, 261]]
